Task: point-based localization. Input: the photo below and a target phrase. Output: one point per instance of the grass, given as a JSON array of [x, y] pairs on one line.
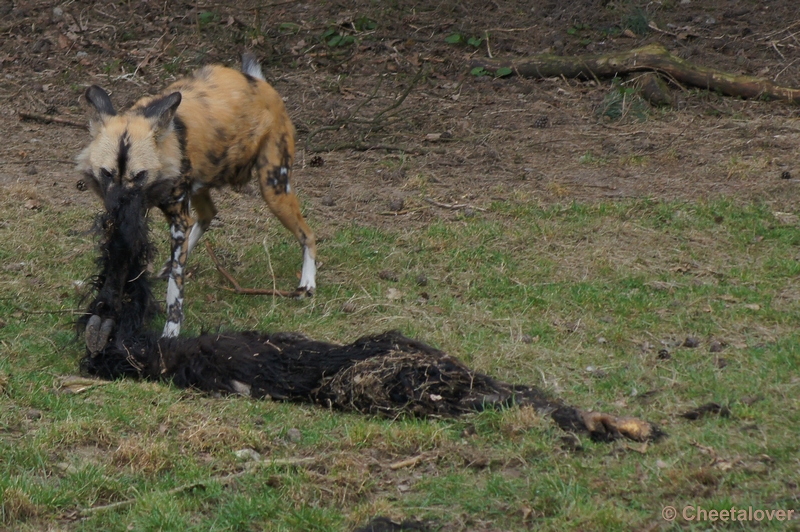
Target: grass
[[577, 298]]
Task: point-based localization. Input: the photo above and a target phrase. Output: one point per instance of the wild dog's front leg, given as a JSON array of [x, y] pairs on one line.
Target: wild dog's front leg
[[282, 201], [180, 222]]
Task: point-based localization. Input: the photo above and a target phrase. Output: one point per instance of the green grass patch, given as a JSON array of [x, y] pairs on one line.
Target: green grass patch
[[593, 302]]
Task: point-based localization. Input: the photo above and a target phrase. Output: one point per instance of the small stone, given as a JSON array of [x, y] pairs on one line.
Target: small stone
[[422, 280], [294, 435], [396, 204], [31, 170], [33, 204], [388, 275], [328, 201], [663, 354], [41, 46], [716, 347], [691, 342], [248, 455], [786, 175], [316, 162], [349, 307]]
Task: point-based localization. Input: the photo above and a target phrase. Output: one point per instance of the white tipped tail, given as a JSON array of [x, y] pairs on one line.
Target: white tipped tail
[[250, 66]]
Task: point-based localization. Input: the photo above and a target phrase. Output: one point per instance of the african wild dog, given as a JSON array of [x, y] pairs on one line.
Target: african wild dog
[[215, 128]]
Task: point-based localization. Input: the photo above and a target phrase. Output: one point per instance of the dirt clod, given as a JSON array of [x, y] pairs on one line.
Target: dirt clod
[[388, 275], [691, 342], [294, 435], [707, 409], [396, 204]]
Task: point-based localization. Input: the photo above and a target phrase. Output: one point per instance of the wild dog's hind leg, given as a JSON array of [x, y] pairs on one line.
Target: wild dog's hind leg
[[274, 170], [180, 223]]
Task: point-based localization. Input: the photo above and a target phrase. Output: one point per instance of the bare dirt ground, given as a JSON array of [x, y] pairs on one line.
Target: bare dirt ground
[[456, 137]]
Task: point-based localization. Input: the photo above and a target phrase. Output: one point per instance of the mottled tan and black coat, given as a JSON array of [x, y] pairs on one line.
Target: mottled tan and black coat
[[218, 127]]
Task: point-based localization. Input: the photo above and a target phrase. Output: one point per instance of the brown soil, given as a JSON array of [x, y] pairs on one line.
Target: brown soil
[[456, 138]]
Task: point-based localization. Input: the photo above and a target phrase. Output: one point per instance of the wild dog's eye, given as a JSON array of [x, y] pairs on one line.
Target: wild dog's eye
[[140, 177], [105, 174]]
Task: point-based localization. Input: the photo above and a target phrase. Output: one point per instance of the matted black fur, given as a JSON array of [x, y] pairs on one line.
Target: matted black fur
[[122, 287], [385, 374]]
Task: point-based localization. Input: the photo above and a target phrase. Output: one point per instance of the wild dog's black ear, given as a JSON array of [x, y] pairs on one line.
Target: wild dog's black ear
[[101, 103], [161, 110]]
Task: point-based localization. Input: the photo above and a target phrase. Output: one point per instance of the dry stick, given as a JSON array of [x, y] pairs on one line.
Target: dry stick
[[408, 462], [30, 161], [454, 206], [651, 57], [247, 291], [50, 118], [224, 479]]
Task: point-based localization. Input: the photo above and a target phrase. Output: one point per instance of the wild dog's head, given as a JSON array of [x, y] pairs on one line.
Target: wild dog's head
[[136, 149]]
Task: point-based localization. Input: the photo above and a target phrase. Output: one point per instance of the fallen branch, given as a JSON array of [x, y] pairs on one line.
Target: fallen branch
[[247, 291], [651, 57], [453, 206], [47, 119]]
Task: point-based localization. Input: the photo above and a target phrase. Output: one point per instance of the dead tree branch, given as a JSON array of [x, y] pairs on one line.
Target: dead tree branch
[[652, 57]]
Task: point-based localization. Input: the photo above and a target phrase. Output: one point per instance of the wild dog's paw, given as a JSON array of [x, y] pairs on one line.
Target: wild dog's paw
[[97, 332], [303, 291]]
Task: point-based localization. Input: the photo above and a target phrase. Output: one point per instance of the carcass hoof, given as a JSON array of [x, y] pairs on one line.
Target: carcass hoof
[[165, 270], [97, 332]]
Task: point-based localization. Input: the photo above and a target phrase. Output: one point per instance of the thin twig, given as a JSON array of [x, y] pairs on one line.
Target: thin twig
[[50, 118], [454, 206], [247, 291], [30, 161]]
